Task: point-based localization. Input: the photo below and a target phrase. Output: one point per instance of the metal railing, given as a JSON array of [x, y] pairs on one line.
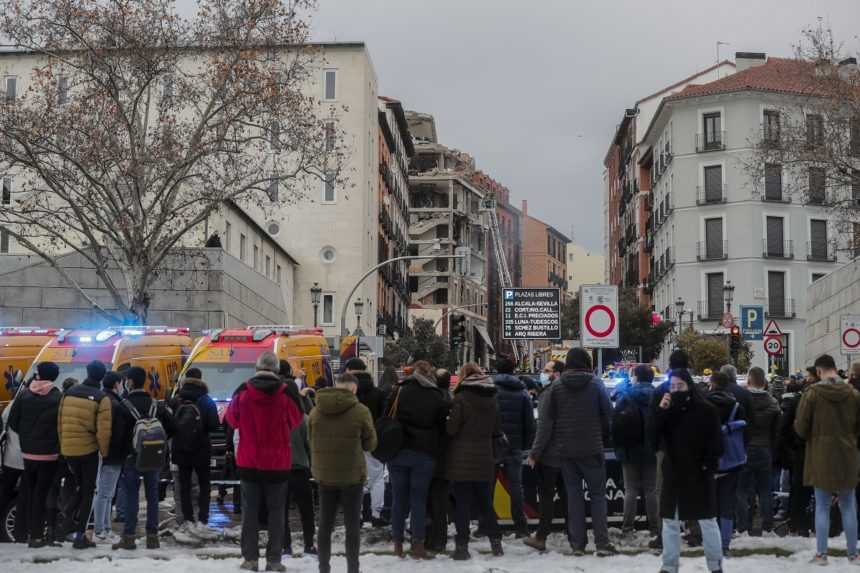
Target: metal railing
[[780, 308], [711, 194], [819, 252], [710, 311], [706, 251], [780, 250], [713, 142]]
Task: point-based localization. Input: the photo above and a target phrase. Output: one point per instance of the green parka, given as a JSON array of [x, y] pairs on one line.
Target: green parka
[[341, 430]]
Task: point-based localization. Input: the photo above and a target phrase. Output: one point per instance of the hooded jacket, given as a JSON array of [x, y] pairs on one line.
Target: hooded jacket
[[34, 417], [573, 419], [516, 410], [301, 446], [828, 418], [766, 415], [196, 392], [84, 421], [473, 421], [340, 430], [639, 395], [265, 418], [422, 411], [368, 394]]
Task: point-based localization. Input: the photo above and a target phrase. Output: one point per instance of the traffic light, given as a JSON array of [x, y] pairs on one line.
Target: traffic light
[[735, 342], [457, 331]]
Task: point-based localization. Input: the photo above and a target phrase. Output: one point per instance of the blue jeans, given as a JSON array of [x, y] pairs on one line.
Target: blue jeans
[[848, 509], [727, 499], [131, 479], [105, 488], [672, 544], [411, 473], [512, 468], [756, 482]]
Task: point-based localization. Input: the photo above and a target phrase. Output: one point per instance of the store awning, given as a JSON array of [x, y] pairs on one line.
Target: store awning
[[482, 331]]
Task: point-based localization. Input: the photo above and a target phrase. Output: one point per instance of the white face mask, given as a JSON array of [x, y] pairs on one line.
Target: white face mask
[[545, 378]]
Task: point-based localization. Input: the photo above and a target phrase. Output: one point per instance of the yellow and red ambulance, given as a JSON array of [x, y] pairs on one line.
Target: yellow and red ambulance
[[19, 346]]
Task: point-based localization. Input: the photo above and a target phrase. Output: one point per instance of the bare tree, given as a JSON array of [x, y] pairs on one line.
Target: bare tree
[[808, 148], [134, 124]]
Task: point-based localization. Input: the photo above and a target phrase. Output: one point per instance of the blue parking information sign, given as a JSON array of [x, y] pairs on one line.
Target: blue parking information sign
[[752, 322]]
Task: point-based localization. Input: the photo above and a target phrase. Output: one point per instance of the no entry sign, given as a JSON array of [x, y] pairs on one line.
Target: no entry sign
[[598, 311], [849, 334]]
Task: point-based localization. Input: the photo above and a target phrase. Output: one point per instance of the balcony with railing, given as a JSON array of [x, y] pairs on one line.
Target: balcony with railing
[[712, 250], [777, 249], [821, 252], [780, 308], [711, 194], [710, 310], [714, 141]]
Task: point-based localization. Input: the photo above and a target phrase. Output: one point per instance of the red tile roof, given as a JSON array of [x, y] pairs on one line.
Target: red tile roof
[[777, 75]]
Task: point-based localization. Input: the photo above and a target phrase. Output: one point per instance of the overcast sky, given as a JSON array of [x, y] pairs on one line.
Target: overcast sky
[[534, 90]]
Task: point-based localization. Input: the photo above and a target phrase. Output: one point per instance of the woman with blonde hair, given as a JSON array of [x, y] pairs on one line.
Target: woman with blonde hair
[[472, 425]]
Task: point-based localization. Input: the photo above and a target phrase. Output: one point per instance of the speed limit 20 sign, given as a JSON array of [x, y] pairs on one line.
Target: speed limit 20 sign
[[773, 345], [849, 334], [598, 313]]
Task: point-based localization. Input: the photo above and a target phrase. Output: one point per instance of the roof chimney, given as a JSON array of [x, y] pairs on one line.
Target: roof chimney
[[525, 208], [747, 60]]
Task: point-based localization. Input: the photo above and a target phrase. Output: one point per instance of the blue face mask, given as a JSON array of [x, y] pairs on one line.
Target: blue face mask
[[544, 378]]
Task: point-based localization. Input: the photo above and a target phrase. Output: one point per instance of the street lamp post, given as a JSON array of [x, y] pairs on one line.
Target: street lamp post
[[729, 295], [316, 293], [359, 310], [679, 312]]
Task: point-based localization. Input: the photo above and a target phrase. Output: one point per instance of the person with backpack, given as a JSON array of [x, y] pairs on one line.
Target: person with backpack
[[573, 426], [518, 424], [34, 417], [688, 426], [733, 421], [756, 481], [264, 416], [147, 438], [195, 418], [792, 454], [84, 430], [633, 437], [341, 431], [828, 418], [110, 469]]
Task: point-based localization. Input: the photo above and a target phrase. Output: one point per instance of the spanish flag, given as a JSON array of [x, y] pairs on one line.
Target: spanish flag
[[348, 348]]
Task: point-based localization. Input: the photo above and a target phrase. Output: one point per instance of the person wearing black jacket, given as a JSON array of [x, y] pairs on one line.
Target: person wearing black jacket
[[518, 424], [142, 403], [34, 417], [195, 417], [422, 410], [792, 454], [689, 429], [111, 466], [440, 487], [725, 402]]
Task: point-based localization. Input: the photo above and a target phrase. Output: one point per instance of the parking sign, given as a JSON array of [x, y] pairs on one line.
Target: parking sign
[[752, 322]]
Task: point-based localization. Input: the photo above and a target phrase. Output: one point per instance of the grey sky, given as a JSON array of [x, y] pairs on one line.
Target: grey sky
[[534, 89]]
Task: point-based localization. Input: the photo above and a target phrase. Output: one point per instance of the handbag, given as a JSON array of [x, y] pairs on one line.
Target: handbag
[[734, 450], [390, 436]]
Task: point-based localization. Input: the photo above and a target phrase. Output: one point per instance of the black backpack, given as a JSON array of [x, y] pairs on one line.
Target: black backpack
[[389, 433], [189, 436], [628, 426]]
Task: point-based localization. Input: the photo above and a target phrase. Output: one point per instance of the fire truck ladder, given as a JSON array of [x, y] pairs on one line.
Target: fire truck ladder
[[489, 206]]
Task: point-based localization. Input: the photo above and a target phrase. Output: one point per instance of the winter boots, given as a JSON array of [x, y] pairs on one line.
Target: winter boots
[[152, 541], [461, 553], [418, 551], [125, 542], [398, 549], [536, 542], [496, 547]]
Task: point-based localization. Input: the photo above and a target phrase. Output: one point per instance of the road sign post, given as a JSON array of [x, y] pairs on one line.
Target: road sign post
[[773, 345], [599, 323]]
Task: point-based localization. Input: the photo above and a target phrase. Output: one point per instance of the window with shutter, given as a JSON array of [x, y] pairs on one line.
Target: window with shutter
[[776, 293], [814, 129], [855, 185], [817, 185], [775, 237], [715, 294], [818, 239], [713, 130], [714, 184], [714, 238], [773, 182], [771, 126]]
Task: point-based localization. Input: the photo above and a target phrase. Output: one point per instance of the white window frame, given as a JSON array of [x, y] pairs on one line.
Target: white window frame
[[703, 238], [779, 269], [813, 272], [325, 73], [700, 121], [786, 228], [722, 164], [3, 181], [703, 279], [243, 247]]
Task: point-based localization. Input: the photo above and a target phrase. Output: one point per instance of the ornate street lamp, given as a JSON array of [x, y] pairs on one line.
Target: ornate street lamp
[[316, 294], [728, 295]]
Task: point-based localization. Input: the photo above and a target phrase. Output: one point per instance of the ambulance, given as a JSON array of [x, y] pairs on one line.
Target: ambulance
[[160, 350], [19, 346], [226, 358]]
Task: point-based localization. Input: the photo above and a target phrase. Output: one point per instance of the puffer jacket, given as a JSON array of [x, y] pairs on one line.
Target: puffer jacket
[[196, 392], [265, 417], [765, 427], [340, 429], [516, 410], [640, 395], [573, 419], [828, 418], [368, 394], [84, 421], [473, 421], [421, 410], [34, 417]]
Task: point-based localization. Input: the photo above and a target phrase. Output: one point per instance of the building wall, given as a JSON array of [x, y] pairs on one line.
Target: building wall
[[583, 267], [676, 239], [544, 254], [827, 300]]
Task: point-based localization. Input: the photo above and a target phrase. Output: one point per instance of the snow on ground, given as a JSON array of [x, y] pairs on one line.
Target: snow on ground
[[762, 555]]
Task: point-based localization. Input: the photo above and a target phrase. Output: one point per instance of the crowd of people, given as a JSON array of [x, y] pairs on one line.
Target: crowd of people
[[706, 458]]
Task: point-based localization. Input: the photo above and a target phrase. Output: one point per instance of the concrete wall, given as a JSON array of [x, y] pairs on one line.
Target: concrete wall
[[197, 288], [827, 300]]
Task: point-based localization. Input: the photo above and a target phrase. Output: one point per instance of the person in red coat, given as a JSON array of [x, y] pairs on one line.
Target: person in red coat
[[264, 416]]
